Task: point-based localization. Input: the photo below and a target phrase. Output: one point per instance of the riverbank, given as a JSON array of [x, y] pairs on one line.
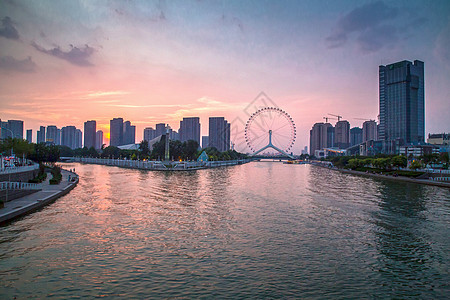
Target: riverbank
[[388, 177], [30, 203], [160, 165]]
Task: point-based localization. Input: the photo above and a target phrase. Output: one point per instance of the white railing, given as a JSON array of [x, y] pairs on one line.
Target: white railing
[[158, 165], [436, 171], [11, 170], [440, 178], [7, 185]]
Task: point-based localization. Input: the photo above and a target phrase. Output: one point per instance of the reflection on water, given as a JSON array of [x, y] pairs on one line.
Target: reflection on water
[[260, 230]]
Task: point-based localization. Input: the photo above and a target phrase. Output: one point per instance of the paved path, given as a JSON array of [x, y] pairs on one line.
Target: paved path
[[29, 203]]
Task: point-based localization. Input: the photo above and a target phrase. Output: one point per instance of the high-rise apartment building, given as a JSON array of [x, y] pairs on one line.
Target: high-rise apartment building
[[149, 134], [369, 131], [175, 136], [30, 135], [116, 132], [356, 136], [78, 139], [68, 136], [99, 139], [402, 103], [160, 129], [58, 137], [190, 129], [342, 134], [129, 133], [90, 132], [205, 141], [219, 133], [321, 136], [52, 133], [40, 137], [12, 129]]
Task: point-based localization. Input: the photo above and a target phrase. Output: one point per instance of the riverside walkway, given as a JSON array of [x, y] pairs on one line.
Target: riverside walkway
[[159, 165], [48, 193]]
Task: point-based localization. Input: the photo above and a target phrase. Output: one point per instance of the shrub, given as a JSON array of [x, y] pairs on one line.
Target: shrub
[[57, 176]]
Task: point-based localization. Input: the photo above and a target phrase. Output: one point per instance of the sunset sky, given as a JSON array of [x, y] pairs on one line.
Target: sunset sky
[[65, 62]]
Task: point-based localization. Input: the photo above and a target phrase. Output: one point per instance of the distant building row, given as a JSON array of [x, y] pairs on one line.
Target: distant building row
[[401, 119], [219, 132], [324, 135]]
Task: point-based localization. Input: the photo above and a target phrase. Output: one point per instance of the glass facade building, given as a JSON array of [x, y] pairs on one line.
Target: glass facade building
[[402, 103]]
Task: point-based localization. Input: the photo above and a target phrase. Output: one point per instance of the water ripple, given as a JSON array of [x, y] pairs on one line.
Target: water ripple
[[261, 230]]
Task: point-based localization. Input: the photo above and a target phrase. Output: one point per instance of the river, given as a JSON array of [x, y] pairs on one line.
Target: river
[[259, 230]]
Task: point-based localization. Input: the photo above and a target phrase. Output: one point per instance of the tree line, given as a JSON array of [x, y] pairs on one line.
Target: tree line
[[178, 150]]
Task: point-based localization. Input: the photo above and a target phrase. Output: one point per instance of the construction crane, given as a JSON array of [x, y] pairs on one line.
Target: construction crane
[[363, 119], [328, 118], [338, 117]]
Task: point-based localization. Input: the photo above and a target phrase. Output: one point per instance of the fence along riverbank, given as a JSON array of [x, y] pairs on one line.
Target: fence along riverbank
[[160, 165]]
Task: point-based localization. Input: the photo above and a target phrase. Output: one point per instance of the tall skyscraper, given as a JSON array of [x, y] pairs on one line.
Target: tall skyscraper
[[190, 129], [205, 141], [342, 134], [369, 131], [330, 136], [320, 137], [30, 135], [40, 138], [402, 103], [51, 136], [149, 134], [116, 132], [58, 137], [219, 133], [129, 133], [90, 131], [175, 136], [12, 129], [160, 129], [68, 137], [356, 136], [78, 138], [99, 139]]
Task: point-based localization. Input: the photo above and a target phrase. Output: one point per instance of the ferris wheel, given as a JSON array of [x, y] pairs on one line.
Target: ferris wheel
[[270, 127]]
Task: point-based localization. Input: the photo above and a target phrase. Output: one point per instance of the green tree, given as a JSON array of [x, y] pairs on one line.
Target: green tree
[[65, 151], [111, 152], [353, 163], [399, 161], [20, 147], [415, 165], [143, 147]]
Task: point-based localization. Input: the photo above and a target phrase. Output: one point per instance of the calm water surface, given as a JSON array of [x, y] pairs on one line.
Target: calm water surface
[[260, 230]]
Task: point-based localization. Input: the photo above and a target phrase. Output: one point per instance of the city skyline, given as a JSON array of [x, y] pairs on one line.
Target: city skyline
[[151, 63]]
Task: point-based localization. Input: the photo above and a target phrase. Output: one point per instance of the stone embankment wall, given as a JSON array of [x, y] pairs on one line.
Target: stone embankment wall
[[15, 194], [19, 176]]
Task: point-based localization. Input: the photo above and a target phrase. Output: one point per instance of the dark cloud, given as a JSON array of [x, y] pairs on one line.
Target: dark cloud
[[375, 25], [9, 63], [442, 46], [373, 39], [76, 56], [8, 30]]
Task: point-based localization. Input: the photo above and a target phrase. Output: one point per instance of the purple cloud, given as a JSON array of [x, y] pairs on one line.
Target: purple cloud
[[8, 30], [368, 22], [76, 56], [9, 63]]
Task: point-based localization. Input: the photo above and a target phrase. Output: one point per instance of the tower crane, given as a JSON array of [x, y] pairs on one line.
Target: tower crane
[[363, 119], [328, 118], [337, 116]]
